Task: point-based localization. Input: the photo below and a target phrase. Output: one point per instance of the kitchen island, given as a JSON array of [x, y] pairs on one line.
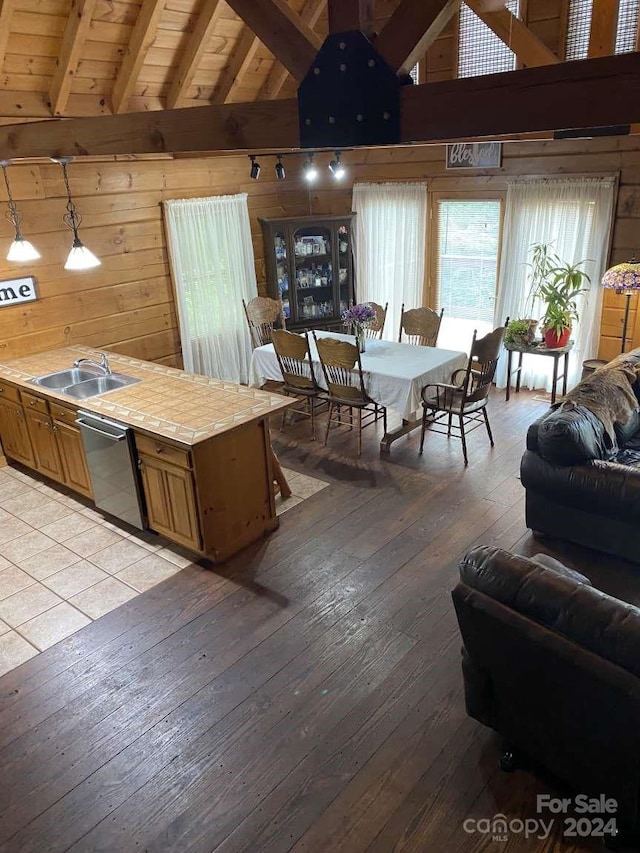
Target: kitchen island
[[202, 445]]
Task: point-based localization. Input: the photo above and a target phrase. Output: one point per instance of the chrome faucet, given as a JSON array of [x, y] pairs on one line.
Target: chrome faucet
[[103, 364]]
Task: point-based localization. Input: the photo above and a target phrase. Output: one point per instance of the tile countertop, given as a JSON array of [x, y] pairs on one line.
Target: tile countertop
[[184, 407]]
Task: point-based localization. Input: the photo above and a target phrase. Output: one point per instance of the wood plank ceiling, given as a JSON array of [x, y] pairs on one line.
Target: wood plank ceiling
[[89, 58]]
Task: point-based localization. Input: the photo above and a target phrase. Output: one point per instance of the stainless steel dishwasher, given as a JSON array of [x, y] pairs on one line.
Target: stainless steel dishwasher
[[111, 459]]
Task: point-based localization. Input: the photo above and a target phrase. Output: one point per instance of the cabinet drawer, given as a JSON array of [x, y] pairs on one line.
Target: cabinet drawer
[[8, 392], [30, 401], [62, 413], [160, 450]]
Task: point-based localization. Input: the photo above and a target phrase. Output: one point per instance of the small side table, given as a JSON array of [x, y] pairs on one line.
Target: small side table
[[556, 354]]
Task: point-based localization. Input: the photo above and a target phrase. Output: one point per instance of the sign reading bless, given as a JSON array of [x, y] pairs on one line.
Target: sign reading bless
[[474, 155], [15, 290]]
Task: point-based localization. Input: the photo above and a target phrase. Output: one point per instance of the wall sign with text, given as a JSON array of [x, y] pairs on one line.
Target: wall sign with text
[[16, 290], [474, 155]]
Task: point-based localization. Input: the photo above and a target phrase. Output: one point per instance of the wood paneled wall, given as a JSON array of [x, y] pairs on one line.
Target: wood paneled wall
[[127, 304]]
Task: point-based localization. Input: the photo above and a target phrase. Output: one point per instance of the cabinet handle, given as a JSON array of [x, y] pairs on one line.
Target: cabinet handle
[[32, 402], [19, 413], [159, 449]]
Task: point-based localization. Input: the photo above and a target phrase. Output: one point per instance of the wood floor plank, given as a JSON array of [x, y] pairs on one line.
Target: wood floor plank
[[304, 696]]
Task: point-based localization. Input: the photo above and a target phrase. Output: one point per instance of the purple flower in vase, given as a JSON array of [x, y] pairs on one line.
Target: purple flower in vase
[[359, 315]]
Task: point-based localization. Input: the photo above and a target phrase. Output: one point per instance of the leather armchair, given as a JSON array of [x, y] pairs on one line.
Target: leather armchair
[[553, 665]]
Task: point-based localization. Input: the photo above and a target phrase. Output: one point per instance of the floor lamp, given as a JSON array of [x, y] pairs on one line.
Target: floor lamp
[[623, 278]]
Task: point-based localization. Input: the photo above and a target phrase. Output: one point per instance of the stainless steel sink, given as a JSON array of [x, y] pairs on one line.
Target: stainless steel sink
[[65, 377], [98, 385]]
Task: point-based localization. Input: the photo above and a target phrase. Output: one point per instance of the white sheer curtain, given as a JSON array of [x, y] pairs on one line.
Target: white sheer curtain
[[213, 270], [574, 216], [390, 247]]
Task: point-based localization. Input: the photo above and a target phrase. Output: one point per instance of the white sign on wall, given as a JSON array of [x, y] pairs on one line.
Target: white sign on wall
[[16, 290], [474, 155]]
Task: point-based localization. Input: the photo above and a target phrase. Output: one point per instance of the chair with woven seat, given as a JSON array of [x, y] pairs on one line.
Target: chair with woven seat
[[465, 397], [376, 327], [420, 325], [294, 359], [343, 375], [263, 315]]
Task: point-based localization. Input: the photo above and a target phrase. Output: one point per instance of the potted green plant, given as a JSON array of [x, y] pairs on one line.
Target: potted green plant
[[558, 284], [520, 332]]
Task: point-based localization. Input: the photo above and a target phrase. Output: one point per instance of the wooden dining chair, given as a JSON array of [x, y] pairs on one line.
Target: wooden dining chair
[[465, 396], [420, 325], [263, 315], [376, 327], [294, 360], [343, 375]]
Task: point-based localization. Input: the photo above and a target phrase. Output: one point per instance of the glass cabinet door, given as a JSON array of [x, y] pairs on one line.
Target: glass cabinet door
[[314, 297], [344, 266], [282, 271]]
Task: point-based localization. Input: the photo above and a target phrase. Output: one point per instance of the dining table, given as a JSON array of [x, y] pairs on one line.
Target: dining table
[[394, 374]]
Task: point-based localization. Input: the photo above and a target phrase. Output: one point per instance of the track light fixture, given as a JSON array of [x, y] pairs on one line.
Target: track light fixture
[[79, 258], [255, 168], [280, 172], [20, 250], [336, 168], [310, 170]]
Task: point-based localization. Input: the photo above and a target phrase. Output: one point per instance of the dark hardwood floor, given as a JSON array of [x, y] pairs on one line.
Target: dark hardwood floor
[[306, 696]]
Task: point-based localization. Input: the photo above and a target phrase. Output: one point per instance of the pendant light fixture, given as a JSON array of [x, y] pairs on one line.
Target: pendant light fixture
[[280, 172], [254, 174], [79, 258], [20, 250]]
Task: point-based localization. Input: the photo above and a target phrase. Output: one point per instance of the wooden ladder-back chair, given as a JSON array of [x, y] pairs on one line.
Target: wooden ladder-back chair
[[376, 327], [343, 375], [465, 397], [263, 315], [420, 325], [294, 358]]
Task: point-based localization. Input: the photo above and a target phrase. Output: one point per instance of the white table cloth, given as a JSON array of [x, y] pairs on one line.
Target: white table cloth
[[394, 373]]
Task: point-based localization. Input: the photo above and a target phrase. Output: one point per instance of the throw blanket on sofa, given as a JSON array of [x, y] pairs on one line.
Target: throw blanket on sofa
[[609, 394]]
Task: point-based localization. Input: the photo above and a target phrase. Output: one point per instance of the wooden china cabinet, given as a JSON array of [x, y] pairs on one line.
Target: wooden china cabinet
[[309, 265]]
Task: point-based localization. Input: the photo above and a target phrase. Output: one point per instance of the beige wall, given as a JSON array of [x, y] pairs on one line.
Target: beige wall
[[127, 303]]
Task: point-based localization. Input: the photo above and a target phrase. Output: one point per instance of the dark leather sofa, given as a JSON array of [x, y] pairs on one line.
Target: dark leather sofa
[[582, 481], [553, 664]]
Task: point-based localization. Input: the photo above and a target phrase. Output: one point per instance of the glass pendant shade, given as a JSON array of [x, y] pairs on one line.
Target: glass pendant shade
[[81, 258], [22, 250]]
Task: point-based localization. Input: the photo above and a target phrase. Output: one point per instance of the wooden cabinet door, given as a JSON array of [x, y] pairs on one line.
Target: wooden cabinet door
[[43, 440], [182, 506], [13, 430], [72, 457], [171, 502]]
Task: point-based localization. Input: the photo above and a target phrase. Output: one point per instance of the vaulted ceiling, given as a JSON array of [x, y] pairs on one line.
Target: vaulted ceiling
[[139, 65]]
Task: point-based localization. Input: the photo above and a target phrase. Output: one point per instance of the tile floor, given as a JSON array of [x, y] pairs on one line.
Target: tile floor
[[63, 564]]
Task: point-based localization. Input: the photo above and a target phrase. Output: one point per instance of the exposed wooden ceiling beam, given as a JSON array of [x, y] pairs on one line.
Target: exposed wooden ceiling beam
[[287, 35], [142, 38], [345, 15], [601, 92], [529, 49], [6, 11], [238, 63], [604, 24], [271, 88], [253, 126], [412, 29], [75, 35], [196, 46]]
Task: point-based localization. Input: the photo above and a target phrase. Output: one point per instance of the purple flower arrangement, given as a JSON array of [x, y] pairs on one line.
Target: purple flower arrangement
[[359, 315]]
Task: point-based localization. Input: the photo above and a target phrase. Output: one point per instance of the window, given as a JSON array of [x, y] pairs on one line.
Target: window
[[480, 51], [465, 252], [415, 73], [579, 26]]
